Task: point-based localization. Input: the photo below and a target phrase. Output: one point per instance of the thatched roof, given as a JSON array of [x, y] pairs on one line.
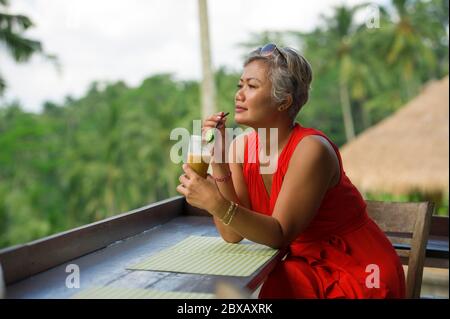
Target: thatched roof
[[406, 152]]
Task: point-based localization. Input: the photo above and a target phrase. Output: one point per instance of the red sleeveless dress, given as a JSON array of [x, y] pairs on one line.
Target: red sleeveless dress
[[341, 254]]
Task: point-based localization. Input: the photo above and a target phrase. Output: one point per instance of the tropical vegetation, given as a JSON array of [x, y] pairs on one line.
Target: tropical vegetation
[[107, 152]]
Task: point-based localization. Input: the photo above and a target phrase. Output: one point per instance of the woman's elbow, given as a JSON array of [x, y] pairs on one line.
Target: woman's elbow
[[279, 244], [278, 240], [232, 239]]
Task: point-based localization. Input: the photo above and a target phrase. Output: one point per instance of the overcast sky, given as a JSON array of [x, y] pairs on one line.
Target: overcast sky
[[132, 39]]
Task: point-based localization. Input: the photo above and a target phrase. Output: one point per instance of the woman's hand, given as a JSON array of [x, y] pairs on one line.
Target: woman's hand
[[216, 121], [200, 192]]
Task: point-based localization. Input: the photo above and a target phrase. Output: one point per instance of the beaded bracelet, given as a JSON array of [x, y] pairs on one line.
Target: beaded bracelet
[[223, 179]]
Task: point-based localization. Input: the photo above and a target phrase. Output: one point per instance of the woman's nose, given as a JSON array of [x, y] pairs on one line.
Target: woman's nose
[[239, 95]]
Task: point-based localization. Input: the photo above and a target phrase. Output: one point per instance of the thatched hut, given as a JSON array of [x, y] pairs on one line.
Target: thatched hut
[[407, 152]]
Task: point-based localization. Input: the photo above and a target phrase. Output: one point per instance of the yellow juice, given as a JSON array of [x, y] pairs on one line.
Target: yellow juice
[[199, 163]]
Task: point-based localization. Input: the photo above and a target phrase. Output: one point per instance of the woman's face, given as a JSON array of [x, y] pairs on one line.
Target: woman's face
[[253, 102]]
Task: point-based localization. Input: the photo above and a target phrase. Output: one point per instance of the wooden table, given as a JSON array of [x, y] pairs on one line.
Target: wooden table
[[103, 250]]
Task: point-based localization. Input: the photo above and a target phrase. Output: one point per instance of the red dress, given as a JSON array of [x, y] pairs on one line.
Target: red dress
[[341, 254]]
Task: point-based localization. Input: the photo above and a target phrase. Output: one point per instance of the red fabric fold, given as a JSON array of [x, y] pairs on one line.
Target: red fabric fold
[[341, 275]]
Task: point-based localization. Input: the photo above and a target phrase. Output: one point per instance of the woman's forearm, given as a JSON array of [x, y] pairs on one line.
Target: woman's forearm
[[226, 187], [269, 231], [227, 190], [227, 233]]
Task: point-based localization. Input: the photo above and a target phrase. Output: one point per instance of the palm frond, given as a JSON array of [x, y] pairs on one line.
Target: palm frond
[[19, 47], [2, 85], [14, 22]]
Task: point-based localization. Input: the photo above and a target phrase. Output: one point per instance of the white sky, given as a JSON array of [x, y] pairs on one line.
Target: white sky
[[132, 39]]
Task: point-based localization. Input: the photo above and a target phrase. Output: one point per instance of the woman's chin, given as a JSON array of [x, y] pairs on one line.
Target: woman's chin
[[244, 119], [240, 118]]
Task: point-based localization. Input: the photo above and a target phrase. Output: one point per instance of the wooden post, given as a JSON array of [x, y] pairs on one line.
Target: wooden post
[[208, 86]]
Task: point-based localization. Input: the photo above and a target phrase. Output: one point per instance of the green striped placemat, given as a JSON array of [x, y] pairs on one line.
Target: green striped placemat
[[206, 245], [109, 292], [208, 256]]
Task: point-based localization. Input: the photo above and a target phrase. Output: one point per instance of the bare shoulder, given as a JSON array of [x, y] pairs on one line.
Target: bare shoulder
[[313, 146], [317, 151]]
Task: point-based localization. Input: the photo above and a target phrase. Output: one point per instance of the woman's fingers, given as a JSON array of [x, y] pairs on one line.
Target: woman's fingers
[[222, 122], [184, 180], [191, 174], [210, 124], [181, 189], [213, 119]]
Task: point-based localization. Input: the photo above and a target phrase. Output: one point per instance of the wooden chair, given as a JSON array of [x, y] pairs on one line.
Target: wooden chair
[[407, 225]]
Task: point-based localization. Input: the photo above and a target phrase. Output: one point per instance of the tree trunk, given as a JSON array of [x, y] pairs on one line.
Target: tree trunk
[[208, 88], [366, 117], [346, 112]]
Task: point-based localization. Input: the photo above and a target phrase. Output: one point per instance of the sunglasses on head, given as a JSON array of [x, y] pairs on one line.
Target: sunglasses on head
[[269, 49]]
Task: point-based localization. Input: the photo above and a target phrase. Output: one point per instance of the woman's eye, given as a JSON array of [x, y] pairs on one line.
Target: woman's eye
[[240, 86]]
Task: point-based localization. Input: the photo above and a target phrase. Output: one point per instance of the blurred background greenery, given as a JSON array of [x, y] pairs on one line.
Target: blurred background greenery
[[107, 152]]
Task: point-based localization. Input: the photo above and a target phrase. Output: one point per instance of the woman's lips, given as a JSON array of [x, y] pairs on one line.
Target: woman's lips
[[240, 109]]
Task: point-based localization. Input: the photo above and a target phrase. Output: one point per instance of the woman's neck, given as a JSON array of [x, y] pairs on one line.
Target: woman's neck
[[278, 132]]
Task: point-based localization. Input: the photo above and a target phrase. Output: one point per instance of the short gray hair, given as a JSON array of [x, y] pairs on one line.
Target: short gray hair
[[290, 76]]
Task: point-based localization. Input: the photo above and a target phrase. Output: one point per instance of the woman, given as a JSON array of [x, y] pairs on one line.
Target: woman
[[308, 204]]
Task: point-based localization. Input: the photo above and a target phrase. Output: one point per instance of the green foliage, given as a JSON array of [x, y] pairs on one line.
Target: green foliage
[[91, 158], [381, 68], [12, 37], [441, 202], [108, 152]]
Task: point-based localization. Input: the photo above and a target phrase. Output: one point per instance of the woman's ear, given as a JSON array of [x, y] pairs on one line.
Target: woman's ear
[[286, 104]]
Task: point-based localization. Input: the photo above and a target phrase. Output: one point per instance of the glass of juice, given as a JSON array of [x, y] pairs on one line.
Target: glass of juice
[[199, 155]]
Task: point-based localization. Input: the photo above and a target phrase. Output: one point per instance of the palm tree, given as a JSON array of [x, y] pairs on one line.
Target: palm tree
[[339, 39], [208, 85], [21, 48], [408, 49], [342, 29]]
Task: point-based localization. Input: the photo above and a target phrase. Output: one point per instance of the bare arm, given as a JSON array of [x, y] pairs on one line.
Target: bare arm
[[305, 183], [234, 189]]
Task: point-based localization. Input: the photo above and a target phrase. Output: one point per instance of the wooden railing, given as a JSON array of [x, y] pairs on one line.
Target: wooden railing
[[22, 261]]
